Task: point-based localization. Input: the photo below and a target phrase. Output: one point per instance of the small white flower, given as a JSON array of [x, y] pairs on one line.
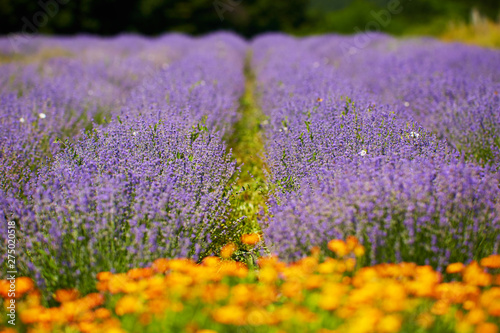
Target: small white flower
[[42, 115], [407, 104], [362, 153], [134, 133], [414, 135], [21, 120]]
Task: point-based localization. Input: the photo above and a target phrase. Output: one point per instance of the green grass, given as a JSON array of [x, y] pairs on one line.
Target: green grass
[[247, 145]]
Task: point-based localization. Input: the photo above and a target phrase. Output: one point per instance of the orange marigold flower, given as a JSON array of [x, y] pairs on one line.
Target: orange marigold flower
[[127, 304], [492, 261], [250, 239], [227, 250], [140, 273], [104, 276], [87, 327], [494, 308], [475, 275], [4, 288], [102, 313], [23, 285], [31, 316], [351, 243], [8, 330], [66, 295], [475, 316], [425, 320], [455, 268], [338, 247], [487, 328], [160, 265], [440, 308]]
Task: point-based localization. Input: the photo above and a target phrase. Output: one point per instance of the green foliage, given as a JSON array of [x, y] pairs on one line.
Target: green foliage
[[244, 17]]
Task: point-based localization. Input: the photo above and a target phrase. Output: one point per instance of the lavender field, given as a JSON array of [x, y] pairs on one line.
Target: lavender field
[[160, 156]]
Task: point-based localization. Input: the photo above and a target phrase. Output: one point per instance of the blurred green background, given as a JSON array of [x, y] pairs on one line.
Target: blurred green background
[[108, 17]]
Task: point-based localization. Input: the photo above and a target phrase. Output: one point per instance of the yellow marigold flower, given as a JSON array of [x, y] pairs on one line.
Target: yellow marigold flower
[[455, 268], [329, 302], [206, 331], [114, 330], [463, 327], [241, 294], [389, 324], [127, 304], [395, 299], [268, 275], [229, 314], [250, 239], [227, 250], [365, 320], [66, 295], [487, 328], [338, 247], [258, 317], [359, 251], [492, 261]]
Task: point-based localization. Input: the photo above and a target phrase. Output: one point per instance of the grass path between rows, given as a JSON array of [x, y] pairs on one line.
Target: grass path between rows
[[247, 145]]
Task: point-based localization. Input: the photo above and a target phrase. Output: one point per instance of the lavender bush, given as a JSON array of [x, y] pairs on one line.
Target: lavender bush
[[345, 163]]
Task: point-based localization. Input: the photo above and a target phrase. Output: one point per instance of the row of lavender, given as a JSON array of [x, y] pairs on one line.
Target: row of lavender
[[348, 156], [150, 179]]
